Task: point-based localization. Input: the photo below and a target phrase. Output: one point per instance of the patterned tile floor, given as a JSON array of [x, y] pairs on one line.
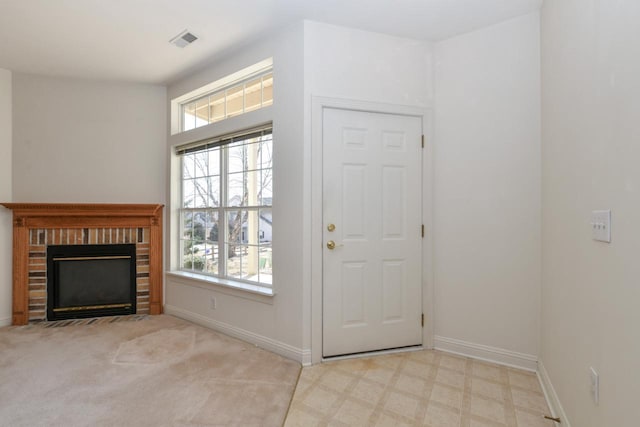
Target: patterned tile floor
[[420, 388]]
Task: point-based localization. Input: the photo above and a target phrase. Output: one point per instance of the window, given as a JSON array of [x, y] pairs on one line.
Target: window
[[226, 206], [249, 94]]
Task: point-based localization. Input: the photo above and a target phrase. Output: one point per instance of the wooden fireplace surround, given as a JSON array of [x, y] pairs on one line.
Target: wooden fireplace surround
[[27, 216]]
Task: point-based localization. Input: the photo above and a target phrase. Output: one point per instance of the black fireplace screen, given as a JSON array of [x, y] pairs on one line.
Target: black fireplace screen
[[90, 281]]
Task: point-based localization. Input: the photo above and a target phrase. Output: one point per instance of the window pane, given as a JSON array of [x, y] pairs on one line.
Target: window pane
[[201, 192], [253, 188], [228, 101], [251, 228], [237, 227], [253, 95], [266, 152], [253, 155], [264, 229], [235, 189], [187, 225], [234, 100], [237, 157], [194, 244], [265, 195], [214, 161], [250, 262], [188, 190], [199, 224], [213, 189], [187, 166], [265, 265], [244, 245], [237, 230], [211, 254], [234, 261], [267, 90], [202, 112], [216, 106], [200, 164], [189, 116]]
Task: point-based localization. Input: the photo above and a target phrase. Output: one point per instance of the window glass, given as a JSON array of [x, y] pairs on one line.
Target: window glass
[[267, 90], [234, 101], [253, 95], [217, 106], [202, 112], [238, 98], [228, 238], [189, 118]]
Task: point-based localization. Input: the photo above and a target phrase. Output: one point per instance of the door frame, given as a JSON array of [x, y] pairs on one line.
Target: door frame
[[318, 105]]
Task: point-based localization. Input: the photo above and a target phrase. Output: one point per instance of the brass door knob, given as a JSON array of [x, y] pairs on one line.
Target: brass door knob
[[331, 227], [331, 245]]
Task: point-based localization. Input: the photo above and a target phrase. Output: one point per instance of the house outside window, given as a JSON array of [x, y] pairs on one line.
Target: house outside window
[[226, 206]]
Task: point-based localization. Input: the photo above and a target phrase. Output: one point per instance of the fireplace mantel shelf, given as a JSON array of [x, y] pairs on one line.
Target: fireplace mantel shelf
[[27, 216], [111, 212]]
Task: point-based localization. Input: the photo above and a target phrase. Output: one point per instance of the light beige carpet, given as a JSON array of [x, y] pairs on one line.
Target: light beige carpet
[[159, 371]]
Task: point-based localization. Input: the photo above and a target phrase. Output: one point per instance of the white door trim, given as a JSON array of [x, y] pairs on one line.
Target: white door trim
[[318, 104]]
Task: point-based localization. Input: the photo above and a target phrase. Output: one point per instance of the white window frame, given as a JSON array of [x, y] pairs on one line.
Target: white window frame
[[224, 91], [218, 143], [262, 67], [178, 138]]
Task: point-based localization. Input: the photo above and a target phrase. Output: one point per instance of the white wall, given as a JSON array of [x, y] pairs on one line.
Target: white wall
[[360, 65], [309, 59], [590, 161], [487, 191], [5, 196], [276, 322], [86, 141], [354, 65]]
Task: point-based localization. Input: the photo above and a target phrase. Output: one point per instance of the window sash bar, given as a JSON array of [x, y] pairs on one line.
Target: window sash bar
[[223, 227]]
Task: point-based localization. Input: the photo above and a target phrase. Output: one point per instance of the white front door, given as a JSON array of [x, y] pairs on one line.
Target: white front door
[[372, 212]]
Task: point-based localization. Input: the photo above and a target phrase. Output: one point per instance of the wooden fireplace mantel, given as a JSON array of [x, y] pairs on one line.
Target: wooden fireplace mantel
[[28, 216]]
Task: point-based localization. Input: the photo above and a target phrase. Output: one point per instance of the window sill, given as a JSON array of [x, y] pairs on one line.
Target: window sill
[[231, 287]]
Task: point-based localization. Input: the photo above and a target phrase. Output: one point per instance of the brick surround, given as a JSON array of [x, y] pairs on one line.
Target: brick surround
[[36, 225], [39, 238]]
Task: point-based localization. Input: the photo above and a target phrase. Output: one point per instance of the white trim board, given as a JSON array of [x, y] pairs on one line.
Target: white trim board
[[487, 353], [550, 395], [5, 321], [278, 347]]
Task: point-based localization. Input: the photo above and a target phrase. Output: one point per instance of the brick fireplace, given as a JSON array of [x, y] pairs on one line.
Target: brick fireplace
[[37, 225]]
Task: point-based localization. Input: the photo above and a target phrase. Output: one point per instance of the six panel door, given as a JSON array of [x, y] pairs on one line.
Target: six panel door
[[372, 200]]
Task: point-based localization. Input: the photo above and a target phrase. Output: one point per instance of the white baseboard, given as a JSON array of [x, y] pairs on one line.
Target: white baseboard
[[306, 357], [278, 347], [5, 321], [487, 353], [550, 394]]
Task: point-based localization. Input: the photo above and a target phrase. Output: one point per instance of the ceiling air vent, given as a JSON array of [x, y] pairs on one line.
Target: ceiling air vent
[[183, 39]]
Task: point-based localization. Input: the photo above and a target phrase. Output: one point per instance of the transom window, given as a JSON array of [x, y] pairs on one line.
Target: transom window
[[250, 94], [226, 206]]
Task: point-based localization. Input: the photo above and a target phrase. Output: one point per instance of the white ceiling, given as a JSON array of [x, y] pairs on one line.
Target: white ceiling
[[127, 40]]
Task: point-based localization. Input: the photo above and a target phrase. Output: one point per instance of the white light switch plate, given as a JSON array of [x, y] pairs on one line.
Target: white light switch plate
[[601, 226]]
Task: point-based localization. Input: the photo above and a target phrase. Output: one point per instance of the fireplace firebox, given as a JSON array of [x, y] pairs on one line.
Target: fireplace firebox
[[90, 281]]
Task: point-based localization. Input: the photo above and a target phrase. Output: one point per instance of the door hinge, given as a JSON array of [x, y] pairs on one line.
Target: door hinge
[[422, 141], [422, 320], [422, 230]]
